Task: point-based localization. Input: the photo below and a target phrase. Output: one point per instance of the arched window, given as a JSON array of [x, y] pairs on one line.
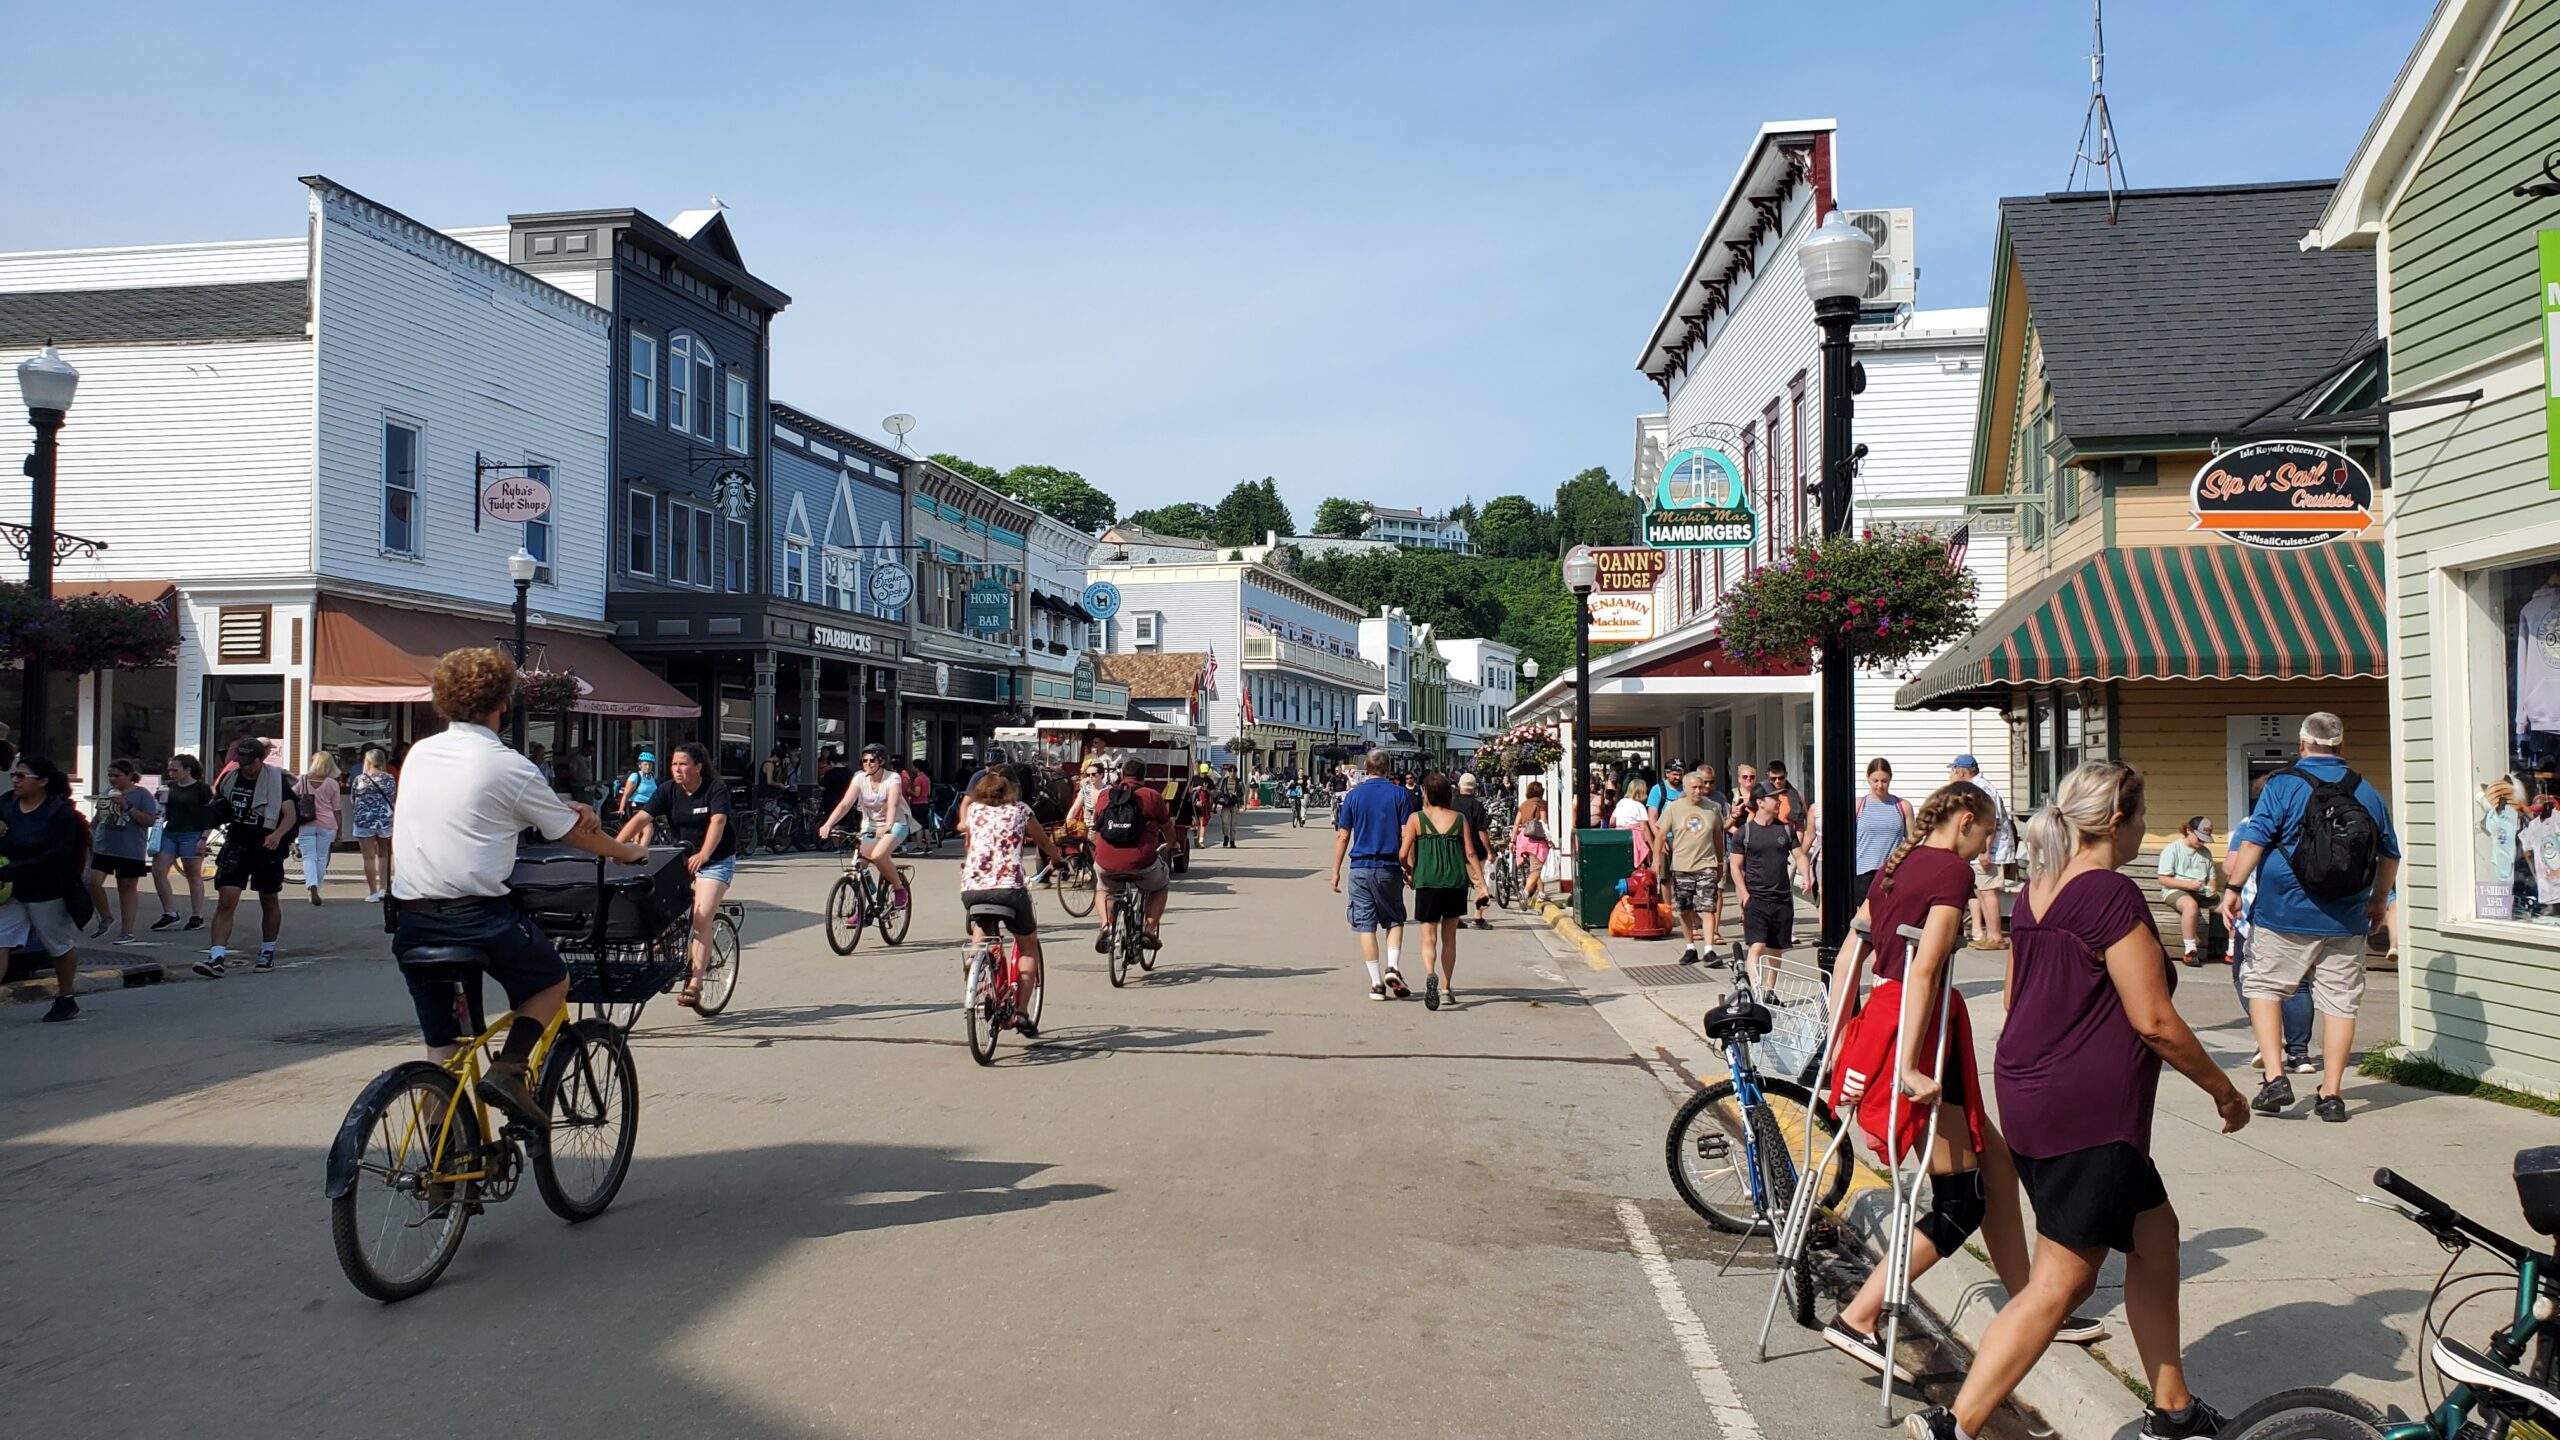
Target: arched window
[[691, 382]]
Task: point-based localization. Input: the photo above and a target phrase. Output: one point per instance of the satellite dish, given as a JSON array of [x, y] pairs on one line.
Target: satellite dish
[[898, 426]]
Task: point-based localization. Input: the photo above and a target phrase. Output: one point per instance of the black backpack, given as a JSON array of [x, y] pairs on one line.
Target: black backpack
[[1123, 821], [2340, 848]]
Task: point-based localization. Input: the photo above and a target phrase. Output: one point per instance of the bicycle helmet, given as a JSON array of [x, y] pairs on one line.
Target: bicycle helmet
[[875, 750]]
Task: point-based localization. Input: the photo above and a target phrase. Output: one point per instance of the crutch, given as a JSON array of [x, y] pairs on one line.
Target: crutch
[[1796, 1230], [1897, 1275]]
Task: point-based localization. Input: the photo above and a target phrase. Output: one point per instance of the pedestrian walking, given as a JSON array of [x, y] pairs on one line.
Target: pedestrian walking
[[1438, 851], [2321, 846], [1746, 780], [1885, 825], [1765, 855], [1691, 863], [1627, 812], [1530, 842], [1792, 810], [1470, 808], [1673, 784], [189, 812], [373, 797], [2191, 875], [2077, 1072], [2295, 1013], [256, 801], [1230, 798], [1369, 836], [45, 843], [320, 784], [1993, 870], [120, 835]]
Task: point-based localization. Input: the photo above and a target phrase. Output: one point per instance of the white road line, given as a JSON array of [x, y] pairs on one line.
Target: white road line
[[1714, 1386]]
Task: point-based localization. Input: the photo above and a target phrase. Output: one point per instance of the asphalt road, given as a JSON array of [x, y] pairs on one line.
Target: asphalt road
[[1236, 1198]]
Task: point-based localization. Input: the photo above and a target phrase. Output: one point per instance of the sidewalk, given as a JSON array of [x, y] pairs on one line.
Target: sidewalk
[[341, 928], [2288, 1281]]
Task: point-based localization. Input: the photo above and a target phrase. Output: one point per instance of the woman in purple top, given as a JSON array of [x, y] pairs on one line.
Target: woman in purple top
[[2090, 1020]]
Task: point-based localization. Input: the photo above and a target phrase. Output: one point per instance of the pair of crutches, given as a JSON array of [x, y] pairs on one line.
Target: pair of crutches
[[1795, 1230]]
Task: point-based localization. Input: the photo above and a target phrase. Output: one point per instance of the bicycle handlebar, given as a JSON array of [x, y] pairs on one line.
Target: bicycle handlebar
[[2448, 1222]]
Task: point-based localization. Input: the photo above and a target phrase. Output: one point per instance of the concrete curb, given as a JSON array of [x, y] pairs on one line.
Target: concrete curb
[[1594, 954], [105, 977]]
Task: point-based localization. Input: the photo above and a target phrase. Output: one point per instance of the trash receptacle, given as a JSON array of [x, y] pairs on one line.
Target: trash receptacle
[[1267, 794], [1607, 858]]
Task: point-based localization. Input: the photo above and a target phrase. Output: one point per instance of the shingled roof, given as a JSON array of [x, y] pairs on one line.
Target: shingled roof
[[2193, 311], [160, 314], [1157, 675]]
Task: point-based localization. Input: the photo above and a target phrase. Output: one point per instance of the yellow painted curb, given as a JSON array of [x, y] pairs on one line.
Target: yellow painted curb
[[1594, 954]]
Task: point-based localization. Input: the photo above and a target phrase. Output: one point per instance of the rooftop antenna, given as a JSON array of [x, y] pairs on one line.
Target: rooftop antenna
[[2106, 164]]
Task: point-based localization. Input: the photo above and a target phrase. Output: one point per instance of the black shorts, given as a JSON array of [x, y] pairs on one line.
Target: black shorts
[[1858, 889], [247, 864], [116, 866], [2089, 1198], [1437, 904], [520, 959], [1016, 902], [1770, 920]]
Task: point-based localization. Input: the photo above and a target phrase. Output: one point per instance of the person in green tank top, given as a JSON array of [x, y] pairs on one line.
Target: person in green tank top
[[1442, 866]]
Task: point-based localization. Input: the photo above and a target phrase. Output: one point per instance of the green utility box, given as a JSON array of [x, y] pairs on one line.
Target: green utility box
[[1608, 857], [1269, 793]]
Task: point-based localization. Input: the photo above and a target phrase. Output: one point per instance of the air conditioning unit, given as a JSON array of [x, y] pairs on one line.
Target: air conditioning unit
[[1143, 631], [1893, 276]]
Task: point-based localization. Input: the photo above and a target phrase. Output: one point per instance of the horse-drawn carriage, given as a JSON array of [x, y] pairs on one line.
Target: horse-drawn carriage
[[1054, 751]]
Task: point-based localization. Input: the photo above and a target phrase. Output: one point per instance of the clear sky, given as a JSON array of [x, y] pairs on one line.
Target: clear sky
[[1402, 251]]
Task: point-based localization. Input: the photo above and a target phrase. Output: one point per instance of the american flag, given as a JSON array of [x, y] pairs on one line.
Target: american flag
[[1958, 543]]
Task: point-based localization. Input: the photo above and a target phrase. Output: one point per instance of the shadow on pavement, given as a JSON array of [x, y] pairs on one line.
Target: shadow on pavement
[[1173, 973], [2330, 1342], [1084, 1042]]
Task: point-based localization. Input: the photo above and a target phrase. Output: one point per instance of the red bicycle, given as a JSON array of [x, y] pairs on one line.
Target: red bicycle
[[997, 1000]]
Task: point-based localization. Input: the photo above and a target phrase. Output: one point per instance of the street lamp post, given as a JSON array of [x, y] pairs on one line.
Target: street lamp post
[[1835, 259], [521, 568], [1581, 572], [46, 382]]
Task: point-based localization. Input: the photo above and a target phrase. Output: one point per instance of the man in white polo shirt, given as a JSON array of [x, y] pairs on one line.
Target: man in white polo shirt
[[464, 797]]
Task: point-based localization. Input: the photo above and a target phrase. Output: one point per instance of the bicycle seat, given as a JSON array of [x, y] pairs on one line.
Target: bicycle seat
[[990, 910], [443, 962], [1737, 1016]]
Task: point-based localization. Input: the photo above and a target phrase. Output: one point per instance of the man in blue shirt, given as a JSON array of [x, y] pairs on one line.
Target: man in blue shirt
[[1369, 832], [1669, 788], [2292, 932]]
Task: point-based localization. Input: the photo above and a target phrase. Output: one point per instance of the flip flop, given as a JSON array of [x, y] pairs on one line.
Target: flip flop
[[1396, 986]]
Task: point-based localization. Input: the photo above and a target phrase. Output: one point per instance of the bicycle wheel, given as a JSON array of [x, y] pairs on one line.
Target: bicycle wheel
[[1778, 1186], [897, 908], [982, 1010], [2313, 1412], [844, 914], [1029, 1004], [395, 1230], [1075, 890], [720, 968], [592, 1096], [1119, 949], [1705, 1152]]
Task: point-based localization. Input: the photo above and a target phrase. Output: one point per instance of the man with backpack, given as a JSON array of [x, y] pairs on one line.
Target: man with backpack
[[2325, 856], [1129, 824]]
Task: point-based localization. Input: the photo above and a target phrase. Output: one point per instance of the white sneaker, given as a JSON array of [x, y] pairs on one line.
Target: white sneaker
[[373, 898]]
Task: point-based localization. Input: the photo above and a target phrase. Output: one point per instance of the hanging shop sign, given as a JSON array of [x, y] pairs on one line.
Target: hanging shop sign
[[1621, 617], [734, 491], [892, 584], [1700, 503], [941, 678], [2548, 242], [2281, 495], [990, 607], [1084, 680], [1102, 599], [1629, 569], [515, 499]]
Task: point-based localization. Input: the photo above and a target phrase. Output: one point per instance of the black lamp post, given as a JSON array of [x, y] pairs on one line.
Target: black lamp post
[[46, 382], [1581, 572], [521, 568], [1835, 259]]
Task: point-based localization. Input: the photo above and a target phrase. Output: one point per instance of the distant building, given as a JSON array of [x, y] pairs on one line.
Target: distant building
[[1316, 547], [1416, 531], [1126, 544], [1484, 683]]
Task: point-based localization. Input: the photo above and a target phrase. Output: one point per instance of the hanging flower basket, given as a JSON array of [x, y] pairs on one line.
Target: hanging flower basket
[[1520, 750], [1891, 596], [548, 692], [82, 633]]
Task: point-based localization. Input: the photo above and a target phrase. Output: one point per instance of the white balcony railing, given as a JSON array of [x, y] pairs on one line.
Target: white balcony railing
[[1262, 652]]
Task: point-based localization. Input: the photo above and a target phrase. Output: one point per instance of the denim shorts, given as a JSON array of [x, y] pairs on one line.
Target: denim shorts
[[724, 871], [1377, 898], [897, 834], [185, 844]]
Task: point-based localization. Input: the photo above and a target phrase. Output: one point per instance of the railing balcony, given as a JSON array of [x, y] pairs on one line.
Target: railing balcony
[[1263, 652]]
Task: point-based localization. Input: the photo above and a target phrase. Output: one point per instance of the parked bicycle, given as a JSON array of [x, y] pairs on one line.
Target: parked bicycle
[[860, 901], [781, 825], [2487, 1395], [996, 999]]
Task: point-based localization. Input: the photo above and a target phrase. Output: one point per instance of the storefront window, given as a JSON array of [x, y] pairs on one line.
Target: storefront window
[[142, 719], [238, 707], [346, 730], [2514, 799], [2056, 727]]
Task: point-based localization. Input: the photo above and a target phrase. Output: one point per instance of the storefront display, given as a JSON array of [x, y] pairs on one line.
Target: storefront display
[[2517, 837]]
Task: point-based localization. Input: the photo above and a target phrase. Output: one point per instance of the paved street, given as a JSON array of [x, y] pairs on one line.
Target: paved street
[[1235, 1198]]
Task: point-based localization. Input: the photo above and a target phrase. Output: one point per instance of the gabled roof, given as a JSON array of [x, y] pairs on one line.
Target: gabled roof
[[1783, 151], [709, 230], [158, 315], [2191, 312], [658, 235], [2431, 81], [1124, 533], [1161, 675]]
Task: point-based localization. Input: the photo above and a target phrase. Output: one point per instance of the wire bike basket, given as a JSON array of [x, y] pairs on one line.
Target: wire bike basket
[[621, 929]]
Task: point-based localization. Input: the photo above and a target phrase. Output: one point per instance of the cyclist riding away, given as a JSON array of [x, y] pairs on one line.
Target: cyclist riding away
[[695, 808], [997, 825], [455, 833], [881, 794], [1128, 843]]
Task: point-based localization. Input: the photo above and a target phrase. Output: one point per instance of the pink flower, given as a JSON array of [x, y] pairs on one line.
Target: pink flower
[[1855, 607]]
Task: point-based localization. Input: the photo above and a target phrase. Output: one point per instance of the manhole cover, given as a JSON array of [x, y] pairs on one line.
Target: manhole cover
[[1669, 974], [347, 1035]]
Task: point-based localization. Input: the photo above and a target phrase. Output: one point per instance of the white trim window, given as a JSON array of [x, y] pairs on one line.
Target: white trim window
[[734, 415], [640, 532], [644, 374], [691, 370], [795, 570], [2496, 715], [537, 533], [734, 557], [688, 544], [402, 445]]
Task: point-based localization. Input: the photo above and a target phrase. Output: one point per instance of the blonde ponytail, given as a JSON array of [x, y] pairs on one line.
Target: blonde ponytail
[[2087, 806]]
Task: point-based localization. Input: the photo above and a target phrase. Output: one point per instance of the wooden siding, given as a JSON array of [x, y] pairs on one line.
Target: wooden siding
[[230, 262], [2174, 733], [2462, 273]]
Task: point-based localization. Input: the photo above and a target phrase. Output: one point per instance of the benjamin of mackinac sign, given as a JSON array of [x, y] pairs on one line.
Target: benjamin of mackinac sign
[[1700, 503]]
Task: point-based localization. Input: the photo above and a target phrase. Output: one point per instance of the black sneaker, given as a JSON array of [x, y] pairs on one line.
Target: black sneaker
[[504, 1088], [1930, 1425], [1102, 942], [166, 922], [1377, 992], [2197, 1420], [266, 960], [2081, 1330], [1867, 1350], [2332, 1108], [194, 922], [2302, 1064], [209, 968], [1431, 991], [1689, 955], [2273, 1097], [63, 1008]]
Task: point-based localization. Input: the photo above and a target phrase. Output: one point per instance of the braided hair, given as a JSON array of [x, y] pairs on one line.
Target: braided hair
[[1961, 796]]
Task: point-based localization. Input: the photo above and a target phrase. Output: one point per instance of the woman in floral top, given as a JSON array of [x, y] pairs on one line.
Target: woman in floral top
[[997, 826], [373, 792]]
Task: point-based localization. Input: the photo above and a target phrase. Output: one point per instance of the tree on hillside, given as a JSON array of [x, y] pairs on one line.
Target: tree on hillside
[[1346, 518], [1464, 512], [1249, 511], [1537, 614], [1452, 593], [1187, 518], [986, 475], [1515, 527], [1592, 511], [1062, 493]]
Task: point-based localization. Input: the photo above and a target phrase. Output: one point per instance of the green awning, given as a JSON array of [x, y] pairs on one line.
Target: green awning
[[2212, 611]]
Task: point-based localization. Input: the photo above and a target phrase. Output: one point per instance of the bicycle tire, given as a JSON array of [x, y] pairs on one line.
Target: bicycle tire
[[623, 1016], [895, 915], [1778, 1182], [1733, 1213], [1031, 1008], [720, 970], [391, 1104], [591, 1092], [1119, 957], [2312, 1412], [1075, 891], [981, 1011], [844, 919]]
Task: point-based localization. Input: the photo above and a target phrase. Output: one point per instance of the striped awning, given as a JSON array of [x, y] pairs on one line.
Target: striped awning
[[2211, 611]]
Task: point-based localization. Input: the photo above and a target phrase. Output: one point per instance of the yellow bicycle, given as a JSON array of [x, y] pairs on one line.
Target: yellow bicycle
[[417, 1156]]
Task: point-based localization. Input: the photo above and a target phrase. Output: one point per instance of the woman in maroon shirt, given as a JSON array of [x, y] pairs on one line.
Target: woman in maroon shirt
[[2078, 1071]]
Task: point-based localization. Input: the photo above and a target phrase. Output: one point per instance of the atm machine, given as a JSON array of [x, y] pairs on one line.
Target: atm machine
[[2257, 746]]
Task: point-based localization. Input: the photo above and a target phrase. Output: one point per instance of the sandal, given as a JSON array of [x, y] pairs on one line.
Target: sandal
[[1396, 986], [691, 996]]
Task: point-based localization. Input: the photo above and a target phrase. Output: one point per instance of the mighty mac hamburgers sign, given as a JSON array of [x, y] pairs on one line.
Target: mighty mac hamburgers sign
[[1700, 503], [2281, 495]]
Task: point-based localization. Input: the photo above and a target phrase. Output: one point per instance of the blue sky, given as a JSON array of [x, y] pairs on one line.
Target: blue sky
[[1404, 251]]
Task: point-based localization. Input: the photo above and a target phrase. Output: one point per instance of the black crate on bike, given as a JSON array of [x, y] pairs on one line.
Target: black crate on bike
[[562, 891], [624, 974]]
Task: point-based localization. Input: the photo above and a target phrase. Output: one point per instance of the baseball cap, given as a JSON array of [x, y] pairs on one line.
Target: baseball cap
[[1964, 762], [247, 749], [1765, 791], [1673, 768]]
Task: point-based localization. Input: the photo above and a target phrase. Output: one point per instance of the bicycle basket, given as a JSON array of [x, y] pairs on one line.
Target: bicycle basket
[[1799, 1007], [624, 974], [561, 891]]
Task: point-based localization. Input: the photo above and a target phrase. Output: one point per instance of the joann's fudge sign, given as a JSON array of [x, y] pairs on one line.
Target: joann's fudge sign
[[2282, 495]]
